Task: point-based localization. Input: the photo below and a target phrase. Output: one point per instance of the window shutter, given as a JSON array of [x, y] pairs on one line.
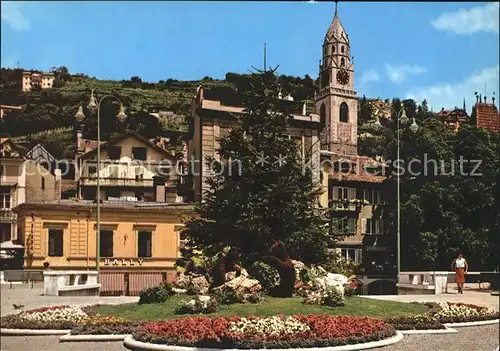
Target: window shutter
[[352, 194], [335, 193], [363, 225], [351, 225], [380, 227]]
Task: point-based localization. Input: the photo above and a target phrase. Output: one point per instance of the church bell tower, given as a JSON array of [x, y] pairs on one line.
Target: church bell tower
[[336, 100]]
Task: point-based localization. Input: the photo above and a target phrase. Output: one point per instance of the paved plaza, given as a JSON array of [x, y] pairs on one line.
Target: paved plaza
[[482, 338]]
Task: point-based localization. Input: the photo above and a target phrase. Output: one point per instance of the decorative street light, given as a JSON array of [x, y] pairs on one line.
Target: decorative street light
[[401, 118], [93, 106]]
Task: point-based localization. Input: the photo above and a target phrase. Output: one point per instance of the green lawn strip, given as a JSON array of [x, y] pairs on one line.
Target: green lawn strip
[[355, 306]]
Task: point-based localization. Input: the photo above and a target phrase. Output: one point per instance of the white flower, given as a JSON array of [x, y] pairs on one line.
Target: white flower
[[67, 314], [268, 326]]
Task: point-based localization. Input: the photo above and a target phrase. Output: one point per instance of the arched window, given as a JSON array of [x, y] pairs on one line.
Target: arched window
[[342, 49], [342, 61], [344, 113], [333, 49], [322, 114]]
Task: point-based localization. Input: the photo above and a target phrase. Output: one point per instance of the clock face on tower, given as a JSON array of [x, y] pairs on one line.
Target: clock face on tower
[[343, 77]]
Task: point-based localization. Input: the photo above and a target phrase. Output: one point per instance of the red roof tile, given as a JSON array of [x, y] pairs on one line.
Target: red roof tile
[[487, 117]]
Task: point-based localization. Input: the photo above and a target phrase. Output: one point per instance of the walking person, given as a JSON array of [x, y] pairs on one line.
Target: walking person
[[461, 267]]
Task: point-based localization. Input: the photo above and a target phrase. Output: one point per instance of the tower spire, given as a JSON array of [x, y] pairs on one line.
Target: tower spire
[[336, 7], [464, 106]]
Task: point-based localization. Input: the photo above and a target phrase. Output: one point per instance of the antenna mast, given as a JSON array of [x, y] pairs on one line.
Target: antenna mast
[[265, 63]]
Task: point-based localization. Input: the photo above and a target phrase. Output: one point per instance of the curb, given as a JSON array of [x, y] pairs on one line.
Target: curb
[[95, 337], [131, 344], [472, 324], [21, 332], [430, 331]]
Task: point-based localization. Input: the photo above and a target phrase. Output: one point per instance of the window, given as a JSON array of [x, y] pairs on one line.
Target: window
[[2, 170], [113, 192], [139, 153], [344, 113], [56, 242], [298, 144], [351, 254], [139, 195], [343, 167], [113, 171], [373, 196], [43, 183], [106, 243], [114, 152], [333, 49], [5, 200], [374, 226], [322, 114], [340, 193], [144, 244], [342, 62], [92, 170], [342, 48], [347, 225], [139, 173]]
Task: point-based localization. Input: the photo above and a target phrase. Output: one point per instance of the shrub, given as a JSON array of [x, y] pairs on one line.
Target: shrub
[[156, 294], [198, 305], [415, 322], [330, 296], [265, 274], [226, 296]]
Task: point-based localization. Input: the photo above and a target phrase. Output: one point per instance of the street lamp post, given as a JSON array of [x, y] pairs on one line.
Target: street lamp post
[[93, 106], [401, 118]]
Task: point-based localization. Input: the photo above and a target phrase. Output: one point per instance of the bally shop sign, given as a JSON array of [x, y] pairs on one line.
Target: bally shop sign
[[123, 261]]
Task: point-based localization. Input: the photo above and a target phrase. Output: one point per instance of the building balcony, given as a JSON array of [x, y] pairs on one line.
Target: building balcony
[[124, 182], [348, 205]]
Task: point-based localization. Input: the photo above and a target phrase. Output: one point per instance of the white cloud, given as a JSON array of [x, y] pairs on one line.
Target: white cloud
[[477, 19], [449, 95], [369, 76], [398, 74], [11, 14]]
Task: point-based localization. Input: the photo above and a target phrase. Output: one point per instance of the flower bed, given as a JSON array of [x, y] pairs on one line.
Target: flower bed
[[270, 332], [449, 312], [58, 317], [415, 322], [78, 319], [102, 325]]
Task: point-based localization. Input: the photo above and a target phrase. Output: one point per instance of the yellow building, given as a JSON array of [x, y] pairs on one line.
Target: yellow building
[[133, 235]]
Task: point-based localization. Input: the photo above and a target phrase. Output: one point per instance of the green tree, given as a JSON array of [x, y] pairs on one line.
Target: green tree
[[265, 201]]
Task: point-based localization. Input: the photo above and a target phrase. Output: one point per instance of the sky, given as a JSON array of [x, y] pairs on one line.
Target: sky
[[440, 51]]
